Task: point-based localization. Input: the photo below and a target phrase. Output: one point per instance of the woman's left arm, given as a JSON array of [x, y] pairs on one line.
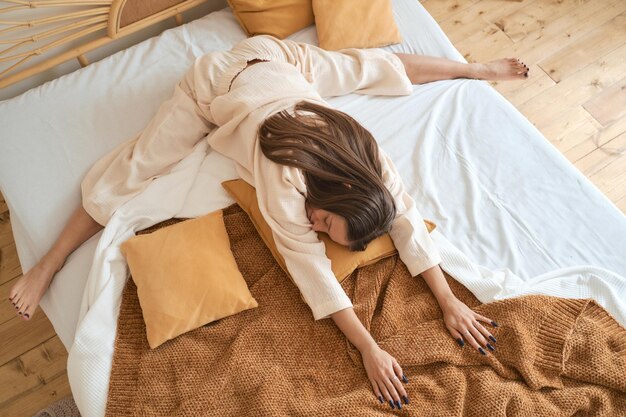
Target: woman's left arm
[[463, 323], [421, 256]]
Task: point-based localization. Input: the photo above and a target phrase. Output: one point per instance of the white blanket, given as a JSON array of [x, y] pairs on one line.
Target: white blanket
[[183, 193]]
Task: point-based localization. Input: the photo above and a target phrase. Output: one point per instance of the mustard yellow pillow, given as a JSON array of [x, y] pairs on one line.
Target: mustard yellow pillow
[[343, 261], [355, 24], [186, 277], [279, 18]]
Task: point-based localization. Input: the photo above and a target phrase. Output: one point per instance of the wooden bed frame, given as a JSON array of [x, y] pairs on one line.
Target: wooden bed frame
[[24, 36]]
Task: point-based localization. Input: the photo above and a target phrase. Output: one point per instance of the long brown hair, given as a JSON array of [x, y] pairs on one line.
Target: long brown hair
[[340, 162]]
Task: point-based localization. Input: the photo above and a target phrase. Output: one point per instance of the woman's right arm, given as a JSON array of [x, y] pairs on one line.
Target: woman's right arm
[[282, 206], [380, 366]]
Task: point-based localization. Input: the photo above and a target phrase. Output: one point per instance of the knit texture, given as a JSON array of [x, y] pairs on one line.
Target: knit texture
[[554, 357]]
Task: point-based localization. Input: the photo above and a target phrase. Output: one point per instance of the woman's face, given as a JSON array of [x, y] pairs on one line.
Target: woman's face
[[334, 225]]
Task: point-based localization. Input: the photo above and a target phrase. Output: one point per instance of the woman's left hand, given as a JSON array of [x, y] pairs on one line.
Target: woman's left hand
[[464, 325]]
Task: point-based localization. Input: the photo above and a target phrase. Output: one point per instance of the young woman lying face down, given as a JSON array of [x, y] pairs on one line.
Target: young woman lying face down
[[346, 195], [346, 198]]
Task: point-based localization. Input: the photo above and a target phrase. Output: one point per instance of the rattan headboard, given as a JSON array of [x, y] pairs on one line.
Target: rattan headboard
[[32, 29]]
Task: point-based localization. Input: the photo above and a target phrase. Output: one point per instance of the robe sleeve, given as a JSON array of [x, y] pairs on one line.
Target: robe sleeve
[[408, 231], [282, 206]]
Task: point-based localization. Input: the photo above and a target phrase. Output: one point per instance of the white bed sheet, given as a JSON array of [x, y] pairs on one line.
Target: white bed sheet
[[501, 195]]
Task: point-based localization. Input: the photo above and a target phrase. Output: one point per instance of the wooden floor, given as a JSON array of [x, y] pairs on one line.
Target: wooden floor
[[575, 95]]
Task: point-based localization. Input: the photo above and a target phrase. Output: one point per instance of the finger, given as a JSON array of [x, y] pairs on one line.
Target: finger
[[486, 334], [467, 335], [397, 385], [479, 339], [385, 390], [480, 317], [398, 371], [377, 392], [457, 336], [392, 389], [487, 320]]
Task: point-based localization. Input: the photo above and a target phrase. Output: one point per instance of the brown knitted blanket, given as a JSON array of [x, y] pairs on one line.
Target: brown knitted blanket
[[554, 357]]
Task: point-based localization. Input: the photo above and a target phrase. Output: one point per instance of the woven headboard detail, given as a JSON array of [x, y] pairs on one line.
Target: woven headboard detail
[[33, 32], [136, 10]]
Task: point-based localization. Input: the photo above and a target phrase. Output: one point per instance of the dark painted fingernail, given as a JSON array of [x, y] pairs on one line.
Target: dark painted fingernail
[[27, 316], [493, 339], [404, 378], [494, 324], [482, 351], [460, 342], [391, 404], [399, 405], [20, 313], [406, 399], [491, 348], [380, 398]]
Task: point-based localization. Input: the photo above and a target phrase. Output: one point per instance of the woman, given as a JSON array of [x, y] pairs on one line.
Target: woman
[[315, 169]]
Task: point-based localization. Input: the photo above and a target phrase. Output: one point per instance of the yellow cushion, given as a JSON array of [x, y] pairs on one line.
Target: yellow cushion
[[343, 261], [279, 18], [355, 24], [186, 277]]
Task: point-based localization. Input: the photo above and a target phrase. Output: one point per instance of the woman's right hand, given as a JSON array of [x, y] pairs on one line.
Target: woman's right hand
[[385, 375]]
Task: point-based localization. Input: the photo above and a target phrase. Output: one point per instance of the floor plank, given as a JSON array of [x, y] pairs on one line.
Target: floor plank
[[7, 310], [563, 32], [611, 177], [32, 401], [32, 369], [19, 336], [4, 208], [610, 105], [9, 263], [477, 47], [612, 154], [577, 89], [473, 19], [443, 9], [6, 234], [590, 47], [621, 204], [531, 20]]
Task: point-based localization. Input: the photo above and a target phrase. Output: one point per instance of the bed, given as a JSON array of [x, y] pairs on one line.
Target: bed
[[514, 216]]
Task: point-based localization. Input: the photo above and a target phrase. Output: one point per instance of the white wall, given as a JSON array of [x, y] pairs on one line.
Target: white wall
[[115, 46]]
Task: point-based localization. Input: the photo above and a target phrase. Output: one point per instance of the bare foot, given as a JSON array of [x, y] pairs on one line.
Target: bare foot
[[28, 290], [502, 69]]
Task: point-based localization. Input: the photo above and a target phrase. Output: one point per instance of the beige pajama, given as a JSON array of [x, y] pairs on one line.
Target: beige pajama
[[216, 97]]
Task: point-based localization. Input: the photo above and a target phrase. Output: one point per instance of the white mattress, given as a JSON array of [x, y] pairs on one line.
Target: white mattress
[[499, 192]]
